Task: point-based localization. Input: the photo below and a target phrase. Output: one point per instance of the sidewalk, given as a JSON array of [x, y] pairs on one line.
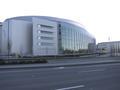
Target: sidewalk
[[63, 63]]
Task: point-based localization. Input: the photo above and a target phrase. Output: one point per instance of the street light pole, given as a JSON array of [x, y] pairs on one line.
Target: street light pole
[[8, 39]]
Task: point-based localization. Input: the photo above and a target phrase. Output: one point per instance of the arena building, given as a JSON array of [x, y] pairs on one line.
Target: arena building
[[44, 36]]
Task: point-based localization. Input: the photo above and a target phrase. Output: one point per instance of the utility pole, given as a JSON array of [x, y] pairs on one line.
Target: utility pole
[[109, 39]]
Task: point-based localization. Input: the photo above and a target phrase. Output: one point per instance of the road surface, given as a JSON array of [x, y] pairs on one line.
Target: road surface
[[88, 77]]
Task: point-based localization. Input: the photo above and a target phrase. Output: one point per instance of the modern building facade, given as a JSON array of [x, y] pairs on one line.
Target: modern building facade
[[109, 48], [42, 35], [0, 35]]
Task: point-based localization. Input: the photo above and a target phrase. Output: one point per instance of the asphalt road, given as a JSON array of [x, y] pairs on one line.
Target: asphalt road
[[91, 77]]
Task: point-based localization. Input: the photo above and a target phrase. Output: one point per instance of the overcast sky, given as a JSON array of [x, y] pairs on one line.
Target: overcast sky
[[100, 17]]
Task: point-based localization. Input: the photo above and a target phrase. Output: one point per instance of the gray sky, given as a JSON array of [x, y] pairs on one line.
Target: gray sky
[[100, 17]]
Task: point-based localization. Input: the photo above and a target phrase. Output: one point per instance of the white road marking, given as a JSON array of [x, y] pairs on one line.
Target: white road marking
[[73, 87], [59, 68], [95, 70]]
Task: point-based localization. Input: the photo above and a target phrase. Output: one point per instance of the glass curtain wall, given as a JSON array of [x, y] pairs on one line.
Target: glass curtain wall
[[74, 39]]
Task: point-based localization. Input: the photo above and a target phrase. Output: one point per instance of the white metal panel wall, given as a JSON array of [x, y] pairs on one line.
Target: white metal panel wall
[[21, 37], [4, 46], [38, 48], [0, 36]]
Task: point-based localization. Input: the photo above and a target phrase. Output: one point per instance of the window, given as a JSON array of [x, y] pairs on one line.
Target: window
[[46, 32], [47, 44], [46, 38], [46, 26], [59, 25]]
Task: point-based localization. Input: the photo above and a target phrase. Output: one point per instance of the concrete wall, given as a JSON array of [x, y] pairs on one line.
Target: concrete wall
[[43, 29]]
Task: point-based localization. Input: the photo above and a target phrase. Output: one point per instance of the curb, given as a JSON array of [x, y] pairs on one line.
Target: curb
[[33, 66]]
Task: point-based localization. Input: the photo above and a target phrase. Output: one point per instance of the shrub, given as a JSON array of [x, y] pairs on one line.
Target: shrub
[[23, 61], [2, 62]]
